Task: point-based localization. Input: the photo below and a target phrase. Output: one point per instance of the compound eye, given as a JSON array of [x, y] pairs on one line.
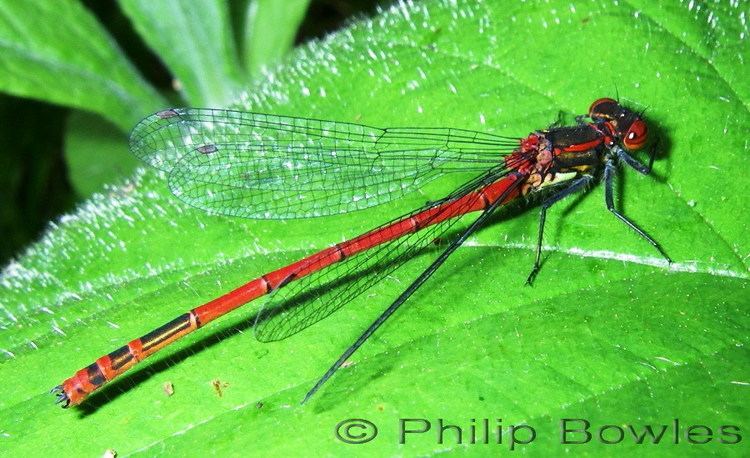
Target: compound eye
[[636, 135], [603, 108]]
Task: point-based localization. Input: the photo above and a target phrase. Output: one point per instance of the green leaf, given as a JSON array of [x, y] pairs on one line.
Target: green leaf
[[195, 41], [58, 52], [270, 30], [96, 153], [608, 333]]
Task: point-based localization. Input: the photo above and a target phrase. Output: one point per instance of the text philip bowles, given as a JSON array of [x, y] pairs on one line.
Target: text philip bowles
[[572, 431]]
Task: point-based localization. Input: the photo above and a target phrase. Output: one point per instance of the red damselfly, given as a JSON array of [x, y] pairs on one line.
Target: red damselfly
[[265, 166]]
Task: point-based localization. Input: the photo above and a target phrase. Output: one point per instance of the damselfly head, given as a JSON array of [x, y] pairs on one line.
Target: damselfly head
[[627, 125]]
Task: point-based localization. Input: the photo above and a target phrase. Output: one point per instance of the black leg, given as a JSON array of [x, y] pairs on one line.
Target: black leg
[[635, 163], [576, 185], [410, 290], [609, 174]]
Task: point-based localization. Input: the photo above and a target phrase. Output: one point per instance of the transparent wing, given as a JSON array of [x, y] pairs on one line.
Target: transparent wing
[[315, 296], [266, 166]]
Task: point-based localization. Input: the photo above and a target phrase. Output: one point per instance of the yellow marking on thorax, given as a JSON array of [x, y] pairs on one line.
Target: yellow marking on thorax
[[550, 179]]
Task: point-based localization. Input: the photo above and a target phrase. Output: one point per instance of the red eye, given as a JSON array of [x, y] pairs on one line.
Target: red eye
[[636, 136], [604, 107]]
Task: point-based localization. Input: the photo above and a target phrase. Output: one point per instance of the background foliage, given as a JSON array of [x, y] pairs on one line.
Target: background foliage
[[608, 333], [51, 157]]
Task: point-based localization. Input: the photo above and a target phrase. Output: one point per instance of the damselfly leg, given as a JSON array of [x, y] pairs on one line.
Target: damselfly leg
[[414, 286], [579, 184], [610, 170]]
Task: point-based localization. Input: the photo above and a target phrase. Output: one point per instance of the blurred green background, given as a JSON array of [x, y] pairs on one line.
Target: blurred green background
[[35, 178]]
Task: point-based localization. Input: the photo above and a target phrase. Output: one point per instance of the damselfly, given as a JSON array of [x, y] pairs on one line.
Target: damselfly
[[257, 165]]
